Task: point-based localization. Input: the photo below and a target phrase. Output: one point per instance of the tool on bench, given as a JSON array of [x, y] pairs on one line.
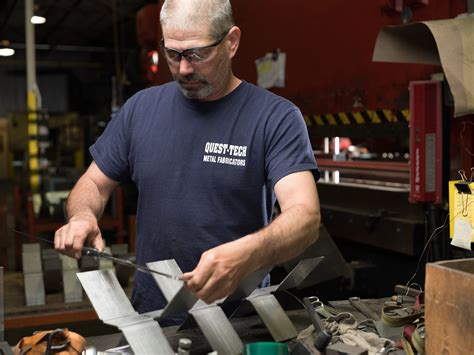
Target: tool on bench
[[358, 304], [323, 336], [88, 251]]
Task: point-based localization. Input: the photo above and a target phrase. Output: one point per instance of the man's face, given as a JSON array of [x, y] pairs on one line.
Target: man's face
[[199, 64]]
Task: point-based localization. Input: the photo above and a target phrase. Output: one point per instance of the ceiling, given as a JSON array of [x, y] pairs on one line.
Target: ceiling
[[81, 23]]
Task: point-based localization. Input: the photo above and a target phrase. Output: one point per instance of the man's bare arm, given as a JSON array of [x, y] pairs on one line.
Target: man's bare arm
[[84, 208], [296, 228], [220, 269]]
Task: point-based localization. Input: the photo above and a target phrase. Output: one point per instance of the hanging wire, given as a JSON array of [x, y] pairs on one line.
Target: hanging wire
[[436, 232], [462, 137]]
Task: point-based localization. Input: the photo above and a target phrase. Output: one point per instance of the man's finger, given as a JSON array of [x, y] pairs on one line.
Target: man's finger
[[98, 242], [77, 248], [199, 276]]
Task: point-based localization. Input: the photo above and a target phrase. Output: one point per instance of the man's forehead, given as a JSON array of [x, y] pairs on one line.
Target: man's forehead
[[185, 37]]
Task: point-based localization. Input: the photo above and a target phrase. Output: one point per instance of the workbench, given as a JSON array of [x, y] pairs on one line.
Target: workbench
[[56, 313], [250, 329]]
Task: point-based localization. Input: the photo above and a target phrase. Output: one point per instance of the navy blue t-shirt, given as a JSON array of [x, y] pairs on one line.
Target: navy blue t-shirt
[[205, 171]]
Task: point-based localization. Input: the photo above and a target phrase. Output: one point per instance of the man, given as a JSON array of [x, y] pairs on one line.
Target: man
[[209, 153]]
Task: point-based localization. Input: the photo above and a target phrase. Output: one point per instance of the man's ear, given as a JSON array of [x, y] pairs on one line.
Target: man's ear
[[234, 39]]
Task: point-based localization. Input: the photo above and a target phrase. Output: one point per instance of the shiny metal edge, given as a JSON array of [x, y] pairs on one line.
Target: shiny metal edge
[[169, 287], [218, 330], [299, 273], [273, 315], [105, 293], [147, 338]]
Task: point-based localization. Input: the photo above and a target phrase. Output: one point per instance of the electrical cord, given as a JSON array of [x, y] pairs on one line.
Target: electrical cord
[[436, 232]]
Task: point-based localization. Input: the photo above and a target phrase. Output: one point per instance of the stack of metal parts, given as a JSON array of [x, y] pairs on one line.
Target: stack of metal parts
[[44, 269], [72, 287], [52, 270], [145, 335], [33, 274], [105, 264]]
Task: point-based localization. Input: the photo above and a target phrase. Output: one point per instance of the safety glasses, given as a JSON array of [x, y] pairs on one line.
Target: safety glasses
[[192, 55]]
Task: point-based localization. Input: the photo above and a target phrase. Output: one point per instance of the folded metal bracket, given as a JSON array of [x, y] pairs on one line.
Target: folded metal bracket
[[299, 273], [269, 309], [217, 328], [178, 297], [113, 307], [274, 316]]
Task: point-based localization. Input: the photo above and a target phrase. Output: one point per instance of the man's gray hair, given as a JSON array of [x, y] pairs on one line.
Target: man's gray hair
[[190, 14]]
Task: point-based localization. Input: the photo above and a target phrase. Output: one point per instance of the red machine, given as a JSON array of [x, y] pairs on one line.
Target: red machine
[[425, 141]]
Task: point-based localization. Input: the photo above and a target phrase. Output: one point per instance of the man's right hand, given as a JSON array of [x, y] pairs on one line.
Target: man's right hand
[[80, 231]]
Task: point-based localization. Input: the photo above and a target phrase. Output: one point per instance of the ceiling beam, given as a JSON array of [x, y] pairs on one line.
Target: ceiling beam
[[62, 19], [7, 16]]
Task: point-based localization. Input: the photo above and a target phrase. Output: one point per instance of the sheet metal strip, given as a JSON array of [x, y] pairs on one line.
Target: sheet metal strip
[[147, 337], [113, 307], [169, 287], [273, 315], [178, 297], [105, 293], [248, 285], [71, 285], [33, 274], [299, 273], [217, 328]]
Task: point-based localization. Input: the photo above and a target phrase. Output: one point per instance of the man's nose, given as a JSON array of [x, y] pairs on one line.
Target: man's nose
[[185, 68]]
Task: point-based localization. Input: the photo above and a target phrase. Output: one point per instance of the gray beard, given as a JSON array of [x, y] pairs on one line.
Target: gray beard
[[199, 94]]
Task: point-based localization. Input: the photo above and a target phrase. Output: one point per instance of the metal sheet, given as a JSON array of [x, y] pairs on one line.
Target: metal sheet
[[299, 273], [31, 248], [217, 329], [129, 320], [273, 315], [147, 338], [169, 287], [106, 294], [69, 263], [113, 307], [34, 289], [248, 285], [31, 258], [181, 302], [72, 287], [333, 266], [154, 314], [119, 249], [105, 264]]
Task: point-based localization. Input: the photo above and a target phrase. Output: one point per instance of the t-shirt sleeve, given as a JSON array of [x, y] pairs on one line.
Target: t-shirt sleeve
[[288, 149], [110, 151]]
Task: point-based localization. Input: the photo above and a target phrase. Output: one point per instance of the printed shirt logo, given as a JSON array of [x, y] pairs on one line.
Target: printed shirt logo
[[221, 153]]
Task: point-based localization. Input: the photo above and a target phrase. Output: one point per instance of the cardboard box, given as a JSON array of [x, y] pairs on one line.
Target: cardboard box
[[449, 307]]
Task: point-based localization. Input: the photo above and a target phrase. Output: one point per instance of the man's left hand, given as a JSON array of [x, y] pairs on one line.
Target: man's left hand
[[219, 271]]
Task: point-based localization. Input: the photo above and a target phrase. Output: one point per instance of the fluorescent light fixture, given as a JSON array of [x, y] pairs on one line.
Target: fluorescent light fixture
[[38, 20], [6, 52]]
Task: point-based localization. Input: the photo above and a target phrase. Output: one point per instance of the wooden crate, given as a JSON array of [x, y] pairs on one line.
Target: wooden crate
[[449, 306]]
